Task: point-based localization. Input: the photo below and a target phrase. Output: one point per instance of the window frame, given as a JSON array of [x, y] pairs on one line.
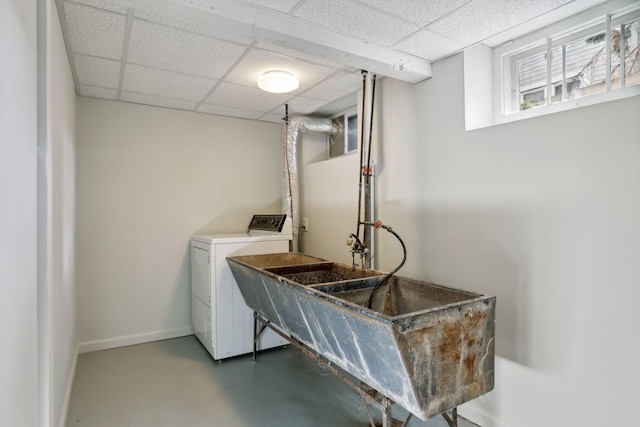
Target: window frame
[[345, 115], [554, 36]]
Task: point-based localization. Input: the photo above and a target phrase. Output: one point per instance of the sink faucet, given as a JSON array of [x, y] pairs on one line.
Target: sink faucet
[[357, 247]]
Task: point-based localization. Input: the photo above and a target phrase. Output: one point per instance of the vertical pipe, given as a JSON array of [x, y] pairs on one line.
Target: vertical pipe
[[290, 199], [373, 98], [364, 91], [366, 138], [287, 161]]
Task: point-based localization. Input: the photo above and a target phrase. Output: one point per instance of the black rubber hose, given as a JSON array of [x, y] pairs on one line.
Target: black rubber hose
[[392, 272]]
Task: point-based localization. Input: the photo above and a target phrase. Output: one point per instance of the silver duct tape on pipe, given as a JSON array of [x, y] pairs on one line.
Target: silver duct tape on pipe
[[291, 196]]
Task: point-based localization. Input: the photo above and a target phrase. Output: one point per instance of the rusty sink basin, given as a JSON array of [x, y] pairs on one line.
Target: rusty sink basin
[[427, 347], [281, 259], [321, 273]]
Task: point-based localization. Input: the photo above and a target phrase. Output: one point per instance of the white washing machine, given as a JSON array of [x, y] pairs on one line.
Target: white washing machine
[[222, 321]]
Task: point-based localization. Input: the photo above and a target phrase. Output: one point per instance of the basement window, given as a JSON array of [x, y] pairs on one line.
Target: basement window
[[589, 58], [345, 141], [600, 57]]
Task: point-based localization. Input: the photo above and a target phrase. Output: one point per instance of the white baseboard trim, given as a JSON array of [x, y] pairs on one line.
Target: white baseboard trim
[[69, 389], [480, 417], [126, 340]]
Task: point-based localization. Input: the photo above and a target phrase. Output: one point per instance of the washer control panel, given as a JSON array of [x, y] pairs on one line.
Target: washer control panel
[[272, 223]]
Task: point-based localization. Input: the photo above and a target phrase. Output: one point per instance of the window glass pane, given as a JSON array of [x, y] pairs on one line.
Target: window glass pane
[[557, 82], [586, 65], [532, 81], [352, 133], [336, 142], [631, 54], [616, 45]]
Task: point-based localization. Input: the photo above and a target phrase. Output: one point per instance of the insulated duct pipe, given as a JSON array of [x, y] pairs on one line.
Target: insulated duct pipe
[[290, 198]]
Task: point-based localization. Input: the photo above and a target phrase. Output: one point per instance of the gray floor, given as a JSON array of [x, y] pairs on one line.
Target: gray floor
[[176, 383]]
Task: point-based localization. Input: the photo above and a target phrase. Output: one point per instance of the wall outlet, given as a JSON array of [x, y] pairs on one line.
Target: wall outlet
[[305, 224]]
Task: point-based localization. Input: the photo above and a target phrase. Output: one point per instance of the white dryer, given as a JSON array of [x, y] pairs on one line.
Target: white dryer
[[221, 320]]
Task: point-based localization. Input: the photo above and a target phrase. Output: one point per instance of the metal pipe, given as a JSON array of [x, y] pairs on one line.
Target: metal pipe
[[290, 199], [368, 215], [365, 213], [373, 98], [360, 177]]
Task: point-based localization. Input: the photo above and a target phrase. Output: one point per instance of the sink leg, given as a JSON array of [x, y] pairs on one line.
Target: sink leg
[[406, 421], [255, 333], [453, 419], [384, 405], [366, 407], [387, 420]]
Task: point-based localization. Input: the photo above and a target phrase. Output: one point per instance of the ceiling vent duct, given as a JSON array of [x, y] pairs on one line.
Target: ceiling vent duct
[[290, 198]]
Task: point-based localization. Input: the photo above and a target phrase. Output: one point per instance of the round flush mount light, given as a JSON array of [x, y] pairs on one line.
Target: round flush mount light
[[278, 82]]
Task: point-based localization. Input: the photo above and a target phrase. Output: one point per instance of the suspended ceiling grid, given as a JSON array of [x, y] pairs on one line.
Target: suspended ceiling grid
[[157, 53]]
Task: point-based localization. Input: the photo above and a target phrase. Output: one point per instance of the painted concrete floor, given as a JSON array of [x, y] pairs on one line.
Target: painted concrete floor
[[175, 383]]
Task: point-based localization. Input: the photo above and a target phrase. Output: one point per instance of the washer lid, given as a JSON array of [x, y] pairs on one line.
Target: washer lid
[[239, 238]]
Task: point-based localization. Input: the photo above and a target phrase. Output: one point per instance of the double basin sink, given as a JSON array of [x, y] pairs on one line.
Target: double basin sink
[[427, 347]]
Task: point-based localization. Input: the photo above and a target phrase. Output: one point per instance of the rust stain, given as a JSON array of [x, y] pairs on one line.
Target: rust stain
[[469, 367], [417, 337], [450, 342], [443, 381], [473, 318]]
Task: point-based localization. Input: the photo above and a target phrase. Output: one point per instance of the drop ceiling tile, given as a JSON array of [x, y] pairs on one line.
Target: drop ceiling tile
[[94, 71], [95, 32], [227, 111], [102, 4], [259, 61], [298, 54], [246, 98], [157, 101], [417, 11], [284, 6], [169, 49], [273, 118], [303, 106], [97, 92], [430, 45], [193, 28], [480, 19], [336, 86], [165, 84], [356, 20]]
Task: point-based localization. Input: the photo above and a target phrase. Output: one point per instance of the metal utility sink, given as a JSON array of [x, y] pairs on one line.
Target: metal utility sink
[[325, 272], [427, 347]]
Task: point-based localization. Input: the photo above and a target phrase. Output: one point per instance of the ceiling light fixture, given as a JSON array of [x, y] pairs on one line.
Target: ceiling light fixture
[[278, 82]]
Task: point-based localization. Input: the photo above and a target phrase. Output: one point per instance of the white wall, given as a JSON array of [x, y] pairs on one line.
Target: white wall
[[148, 179], [327, 199], [544, 214], [61, 155], [18, 211], [331, 206]]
